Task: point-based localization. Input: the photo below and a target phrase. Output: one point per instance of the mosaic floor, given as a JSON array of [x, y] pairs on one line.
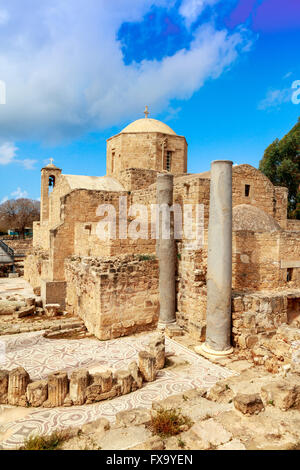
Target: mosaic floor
[[40, 356]]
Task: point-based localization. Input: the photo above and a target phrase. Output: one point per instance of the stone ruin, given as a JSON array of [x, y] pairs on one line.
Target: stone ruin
[[16, 387]]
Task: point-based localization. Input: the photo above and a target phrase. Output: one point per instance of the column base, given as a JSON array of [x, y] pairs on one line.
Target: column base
[[163, 324], [209, 353]]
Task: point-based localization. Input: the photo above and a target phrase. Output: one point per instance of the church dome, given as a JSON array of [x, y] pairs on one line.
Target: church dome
[[247, 217], [148, 125]]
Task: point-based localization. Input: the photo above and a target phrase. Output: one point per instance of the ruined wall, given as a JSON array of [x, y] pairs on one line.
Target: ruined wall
[[36, 267], [191, 290], [114, 296], [257, 313], [293, 225]]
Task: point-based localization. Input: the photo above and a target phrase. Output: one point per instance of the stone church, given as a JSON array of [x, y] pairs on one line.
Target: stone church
[[113, 284]]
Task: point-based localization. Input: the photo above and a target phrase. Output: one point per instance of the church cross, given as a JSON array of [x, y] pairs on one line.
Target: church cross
[[51, 160], [146, 112]]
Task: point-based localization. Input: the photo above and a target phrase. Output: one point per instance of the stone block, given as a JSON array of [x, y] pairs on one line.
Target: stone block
[[79, 382], [3, 386], [37, 393], [283, 394], [58, 387], [52, 310], [210, 434], [136, 375], [17, 385], [25, 312], [157, 349], [147, 366], [248, 404], [124, 380]]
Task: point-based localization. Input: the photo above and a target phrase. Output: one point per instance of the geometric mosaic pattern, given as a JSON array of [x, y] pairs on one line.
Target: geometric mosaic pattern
[[41, 356]]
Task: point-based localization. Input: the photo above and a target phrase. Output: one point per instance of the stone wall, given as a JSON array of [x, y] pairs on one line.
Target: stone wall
[[262, 193], [137, 178], [144, 150], [293, 225], [36, 267], [114, 296]]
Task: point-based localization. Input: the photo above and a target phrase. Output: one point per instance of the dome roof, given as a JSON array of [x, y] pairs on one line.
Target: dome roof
[[148, 125], [247, 217]]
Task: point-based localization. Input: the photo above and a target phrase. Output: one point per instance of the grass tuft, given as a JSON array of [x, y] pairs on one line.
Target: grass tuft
[[166, 423], [50, 442]]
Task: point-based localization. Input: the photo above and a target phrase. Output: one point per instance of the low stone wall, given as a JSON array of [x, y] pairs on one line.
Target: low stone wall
[[260, 328], [17, 389], [114, 296], [35, 266]]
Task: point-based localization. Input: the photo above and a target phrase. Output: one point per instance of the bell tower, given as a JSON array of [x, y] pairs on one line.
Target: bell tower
[[49, 176]]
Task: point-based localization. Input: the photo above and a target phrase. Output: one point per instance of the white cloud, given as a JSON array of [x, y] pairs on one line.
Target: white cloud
[[27, 163], [65, 72], [4, 199], [275, 98], [19, 194], [7, 153], [191, 9]]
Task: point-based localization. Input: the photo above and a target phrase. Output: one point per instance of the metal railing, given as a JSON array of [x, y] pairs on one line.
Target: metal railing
[[8, 252]]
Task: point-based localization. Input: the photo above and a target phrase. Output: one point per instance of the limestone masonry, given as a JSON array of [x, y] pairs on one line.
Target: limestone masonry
[[113, 285]]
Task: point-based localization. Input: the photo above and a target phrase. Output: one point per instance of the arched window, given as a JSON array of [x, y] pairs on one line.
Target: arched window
[[51, 183]]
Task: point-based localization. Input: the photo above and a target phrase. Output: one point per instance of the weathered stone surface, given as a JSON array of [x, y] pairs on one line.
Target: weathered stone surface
[[248, 404], [7, 308], [98, 427], [94, 393], [157, 349], [235, 444], [133, 417], [105, 379], [136, 375], [124, 380], [37, 393], [152, 443], [124, 438], [52, 310], [3, 386], [58, 386], [210, 434], [30, 301], [25, 312], [79, 382], [17, 385], [147, 366], [283, 394], [221, 393]]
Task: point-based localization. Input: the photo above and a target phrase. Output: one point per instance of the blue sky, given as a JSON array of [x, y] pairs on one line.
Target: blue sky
[[77, 72]]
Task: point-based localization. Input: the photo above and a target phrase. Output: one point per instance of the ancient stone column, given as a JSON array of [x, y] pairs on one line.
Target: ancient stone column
[[219, 262], [58, 384], [166, 249], [3, 386], [79, 382], [17, 385], [147, 366], [37, 393], [157, 349]]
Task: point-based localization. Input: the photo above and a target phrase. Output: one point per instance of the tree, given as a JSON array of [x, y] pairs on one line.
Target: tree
[[281, 164], [19, 214]]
